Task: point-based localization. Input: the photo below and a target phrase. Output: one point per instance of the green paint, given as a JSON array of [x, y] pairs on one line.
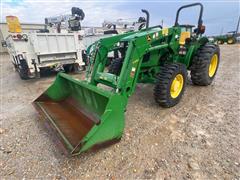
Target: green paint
[[143, 60]]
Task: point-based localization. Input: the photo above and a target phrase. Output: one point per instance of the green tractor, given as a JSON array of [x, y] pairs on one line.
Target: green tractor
[[229, 38], [91, 112]]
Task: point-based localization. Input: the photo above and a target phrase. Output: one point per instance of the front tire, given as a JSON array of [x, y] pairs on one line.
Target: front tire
[[170, 84], [23, 70], [205, 65]]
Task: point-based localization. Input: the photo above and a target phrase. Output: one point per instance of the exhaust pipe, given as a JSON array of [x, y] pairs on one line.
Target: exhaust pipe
[[147, 17]]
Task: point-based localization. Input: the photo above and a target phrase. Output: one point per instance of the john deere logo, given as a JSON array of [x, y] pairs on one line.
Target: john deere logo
[[149, 38]]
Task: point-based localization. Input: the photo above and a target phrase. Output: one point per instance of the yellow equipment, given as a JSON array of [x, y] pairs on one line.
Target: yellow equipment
[[13, 24]]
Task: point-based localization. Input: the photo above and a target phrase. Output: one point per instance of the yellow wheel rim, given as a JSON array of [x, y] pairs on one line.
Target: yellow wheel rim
[[213, 65], [176, 86], [230, 41]]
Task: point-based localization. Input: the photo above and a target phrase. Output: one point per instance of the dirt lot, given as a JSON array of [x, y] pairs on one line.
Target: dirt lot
[[197, 139]]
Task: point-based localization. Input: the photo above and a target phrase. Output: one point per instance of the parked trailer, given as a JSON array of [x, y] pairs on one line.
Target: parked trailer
[[33, 53]]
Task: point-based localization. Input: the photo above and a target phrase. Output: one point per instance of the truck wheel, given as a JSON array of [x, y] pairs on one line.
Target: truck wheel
[[220, 42], [205, 65], [115, 66], [45, 71], [77, 68], [170, 84], [23, 69], [68, 68], [230, 41]]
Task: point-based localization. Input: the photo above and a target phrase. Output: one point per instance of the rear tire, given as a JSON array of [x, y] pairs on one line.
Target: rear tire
[[77, 68], [205, 64], [68, 68], [171, 75], [115, 66], [72, 68], [46, 71]]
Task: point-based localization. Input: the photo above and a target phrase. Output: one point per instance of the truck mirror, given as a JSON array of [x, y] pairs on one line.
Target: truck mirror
[[4, 44]]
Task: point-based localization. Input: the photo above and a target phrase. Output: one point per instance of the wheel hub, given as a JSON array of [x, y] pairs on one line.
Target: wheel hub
[[176, 86], [213, 65], [230, 41]]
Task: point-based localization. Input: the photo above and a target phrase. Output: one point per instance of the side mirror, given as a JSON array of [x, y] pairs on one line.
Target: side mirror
[[4, 44], [202, 29]]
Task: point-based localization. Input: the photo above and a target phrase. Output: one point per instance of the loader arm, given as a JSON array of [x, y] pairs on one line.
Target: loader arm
[[137, 46], [98, 52]]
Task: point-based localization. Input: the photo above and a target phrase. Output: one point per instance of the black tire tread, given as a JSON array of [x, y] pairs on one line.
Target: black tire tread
[[23, 69], [200, 64], [163, 83]]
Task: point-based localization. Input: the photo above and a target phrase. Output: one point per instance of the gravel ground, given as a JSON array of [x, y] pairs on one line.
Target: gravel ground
[[197, 139]]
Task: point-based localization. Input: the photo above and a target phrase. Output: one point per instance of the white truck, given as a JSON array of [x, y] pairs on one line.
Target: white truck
[[34, 53]]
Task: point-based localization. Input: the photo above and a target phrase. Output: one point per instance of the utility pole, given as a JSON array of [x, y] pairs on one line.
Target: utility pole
[[237, 25], [221, 31]]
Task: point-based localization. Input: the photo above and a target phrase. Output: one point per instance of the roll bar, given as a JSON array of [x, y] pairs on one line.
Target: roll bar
[[200, 22]]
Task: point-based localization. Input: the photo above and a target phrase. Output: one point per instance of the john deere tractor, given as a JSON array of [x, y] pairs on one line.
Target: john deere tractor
[[230, 37], [91, 112]]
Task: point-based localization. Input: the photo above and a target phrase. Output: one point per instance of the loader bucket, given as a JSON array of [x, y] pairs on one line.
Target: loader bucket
[[81, 114]]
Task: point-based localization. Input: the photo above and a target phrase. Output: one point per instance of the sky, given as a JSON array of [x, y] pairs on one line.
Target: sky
[[219, 16]]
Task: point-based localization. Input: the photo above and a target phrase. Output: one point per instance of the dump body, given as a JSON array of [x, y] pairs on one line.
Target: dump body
[[44, 49], [56, 48]]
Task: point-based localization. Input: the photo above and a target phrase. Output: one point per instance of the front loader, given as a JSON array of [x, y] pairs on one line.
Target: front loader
[[91, 112]]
